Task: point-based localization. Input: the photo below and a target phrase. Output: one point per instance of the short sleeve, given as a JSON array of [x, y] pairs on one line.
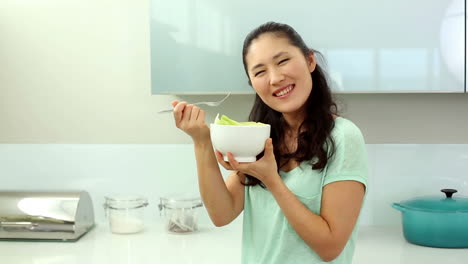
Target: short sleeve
[[349, 161]]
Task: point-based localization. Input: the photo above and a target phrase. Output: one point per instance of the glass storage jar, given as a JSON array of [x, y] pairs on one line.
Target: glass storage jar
[[125, 213], [181, 212]]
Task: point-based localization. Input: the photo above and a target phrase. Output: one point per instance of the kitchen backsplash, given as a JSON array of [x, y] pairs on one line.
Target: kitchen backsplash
[[396, 172]]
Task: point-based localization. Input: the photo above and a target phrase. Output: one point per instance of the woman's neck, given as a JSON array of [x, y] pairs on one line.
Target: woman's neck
[[293, 121]]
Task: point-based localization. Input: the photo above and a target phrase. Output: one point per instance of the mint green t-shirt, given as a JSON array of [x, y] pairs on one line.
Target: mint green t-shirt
[[267, 237]]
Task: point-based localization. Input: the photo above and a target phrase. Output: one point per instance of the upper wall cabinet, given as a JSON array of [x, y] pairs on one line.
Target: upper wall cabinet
[[368, 46]]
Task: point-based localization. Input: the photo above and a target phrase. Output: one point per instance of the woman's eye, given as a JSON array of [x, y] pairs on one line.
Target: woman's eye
[[283, 61], [258, 73]]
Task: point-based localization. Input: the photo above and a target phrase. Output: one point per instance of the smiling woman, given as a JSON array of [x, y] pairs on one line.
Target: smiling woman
[[314, 203], [302, 196]]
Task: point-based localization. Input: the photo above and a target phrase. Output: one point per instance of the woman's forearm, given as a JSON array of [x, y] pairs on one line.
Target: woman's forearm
[[327, 233], [214, 192], [312, 228]]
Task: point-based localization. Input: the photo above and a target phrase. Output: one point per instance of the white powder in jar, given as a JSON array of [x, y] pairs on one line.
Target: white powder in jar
[[125, 224]]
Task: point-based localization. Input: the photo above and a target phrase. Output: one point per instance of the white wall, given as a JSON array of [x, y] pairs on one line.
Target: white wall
[[79, 72], [395, 172]]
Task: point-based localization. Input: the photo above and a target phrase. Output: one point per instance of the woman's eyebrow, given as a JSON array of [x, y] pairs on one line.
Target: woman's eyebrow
[[256, 66], [279, 54]]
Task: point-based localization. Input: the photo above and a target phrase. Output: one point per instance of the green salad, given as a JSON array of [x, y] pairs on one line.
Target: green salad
[[224, 120]]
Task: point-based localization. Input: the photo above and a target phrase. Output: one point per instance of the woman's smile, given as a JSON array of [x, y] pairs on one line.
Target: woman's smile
[[284, 91]]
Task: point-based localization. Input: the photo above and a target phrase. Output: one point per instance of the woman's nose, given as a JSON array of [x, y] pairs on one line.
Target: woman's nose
[[276, 76]]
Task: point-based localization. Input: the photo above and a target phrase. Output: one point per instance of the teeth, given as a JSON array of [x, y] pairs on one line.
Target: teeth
[[285, 91]]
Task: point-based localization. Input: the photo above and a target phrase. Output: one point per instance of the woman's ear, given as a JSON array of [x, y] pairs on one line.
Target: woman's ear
[[311, 61]]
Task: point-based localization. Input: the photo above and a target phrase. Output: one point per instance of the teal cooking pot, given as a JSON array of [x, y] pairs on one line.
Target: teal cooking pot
[[435, 221]]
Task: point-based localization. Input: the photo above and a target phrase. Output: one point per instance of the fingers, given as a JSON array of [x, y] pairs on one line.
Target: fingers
[[268, 146], [201, 115], [187, 113], [184, 112], [194, 114], [178, 112], [231, 160], [220, 159], [243, 167]]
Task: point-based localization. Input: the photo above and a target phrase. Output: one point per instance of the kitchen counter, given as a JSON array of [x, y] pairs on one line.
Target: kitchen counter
[[383, 245]]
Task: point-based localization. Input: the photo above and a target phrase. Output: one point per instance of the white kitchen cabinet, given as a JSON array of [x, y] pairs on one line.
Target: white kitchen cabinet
[[370, 46]]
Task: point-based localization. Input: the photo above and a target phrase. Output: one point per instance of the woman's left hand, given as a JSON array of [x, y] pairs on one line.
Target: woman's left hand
[[264, 169]]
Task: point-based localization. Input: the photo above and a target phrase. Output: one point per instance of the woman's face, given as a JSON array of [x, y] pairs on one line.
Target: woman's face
[[279, 72]]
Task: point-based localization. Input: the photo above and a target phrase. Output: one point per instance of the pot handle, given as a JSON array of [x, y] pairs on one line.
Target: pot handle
[[449, 192], [398, 207]]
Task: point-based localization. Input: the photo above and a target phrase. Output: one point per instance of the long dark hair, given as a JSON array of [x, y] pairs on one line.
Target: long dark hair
[[314, 143]]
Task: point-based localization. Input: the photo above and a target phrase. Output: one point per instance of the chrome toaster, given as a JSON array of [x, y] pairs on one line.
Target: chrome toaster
[[45, 215]]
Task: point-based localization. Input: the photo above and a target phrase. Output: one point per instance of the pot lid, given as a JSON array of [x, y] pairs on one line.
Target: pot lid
[[439, 203]]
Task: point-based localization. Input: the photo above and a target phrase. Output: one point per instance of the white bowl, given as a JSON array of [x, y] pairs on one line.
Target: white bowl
[[244, 142]]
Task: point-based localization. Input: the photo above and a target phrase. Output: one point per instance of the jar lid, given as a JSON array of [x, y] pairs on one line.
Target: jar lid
[[179, 201], [442, 203], [125, 201]]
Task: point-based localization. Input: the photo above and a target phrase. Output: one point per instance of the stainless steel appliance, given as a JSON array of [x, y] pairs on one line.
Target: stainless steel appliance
[[45, 215]]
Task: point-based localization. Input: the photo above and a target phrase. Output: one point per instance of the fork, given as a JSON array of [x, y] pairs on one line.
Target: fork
[[199, 103]]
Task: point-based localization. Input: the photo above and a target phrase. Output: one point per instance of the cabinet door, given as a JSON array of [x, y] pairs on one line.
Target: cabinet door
[[368, 45]]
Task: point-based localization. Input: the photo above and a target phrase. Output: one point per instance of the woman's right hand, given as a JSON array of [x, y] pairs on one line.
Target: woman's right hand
[[191, 120]]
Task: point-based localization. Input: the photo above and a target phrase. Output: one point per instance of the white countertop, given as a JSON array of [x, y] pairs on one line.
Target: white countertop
[[383, 245]]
